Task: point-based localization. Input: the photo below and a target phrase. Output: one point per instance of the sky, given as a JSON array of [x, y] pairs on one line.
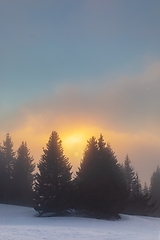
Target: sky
[[82, 68]]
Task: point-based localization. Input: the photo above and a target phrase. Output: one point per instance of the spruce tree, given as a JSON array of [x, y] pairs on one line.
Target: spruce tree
[[129, 174], [53, 181], [137, 188], [100, 180], [2, 176], [23, 176], [155, 189], [138, 201], [145, 189], [9, 159], [112, 179], [85, 177]]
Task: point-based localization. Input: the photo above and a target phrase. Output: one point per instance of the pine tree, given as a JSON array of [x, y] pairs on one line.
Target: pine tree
[[137, 188], [129, 174], [2, 176], [23, 176], [85, 177], [100, 180], [145, 189], [113, 179], [53, 181], [155, 189], [138, 201], [9, 159]]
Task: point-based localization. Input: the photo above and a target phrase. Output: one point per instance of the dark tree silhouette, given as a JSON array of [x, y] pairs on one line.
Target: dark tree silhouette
[[138, 201], [53, 181], [129, 174], [85, 180], [8, 163], [23, 176], [2, 176], [155, 189], [145, 189], [102, 189]]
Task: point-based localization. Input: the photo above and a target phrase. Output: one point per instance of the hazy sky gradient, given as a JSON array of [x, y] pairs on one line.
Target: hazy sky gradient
[[82, 68]]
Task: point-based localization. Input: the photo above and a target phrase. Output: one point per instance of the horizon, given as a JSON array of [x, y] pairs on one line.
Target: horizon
[[70, 150]]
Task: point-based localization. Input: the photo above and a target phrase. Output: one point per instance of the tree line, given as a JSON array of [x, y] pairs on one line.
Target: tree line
[[101, 187], [16, 173]]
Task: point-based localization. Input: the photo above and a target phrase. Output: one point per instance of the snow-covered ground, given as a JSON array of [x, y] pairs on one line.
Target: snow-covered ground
[[21, 223]]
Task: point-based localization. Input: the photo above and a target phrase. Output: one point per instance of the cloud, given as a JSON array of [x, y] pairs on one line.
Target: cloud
[[125, 110], [132, 103], [128, 104]]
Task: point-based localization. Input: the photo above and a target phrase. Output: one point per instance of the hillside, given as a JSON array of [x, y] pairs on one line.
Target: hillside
[[22, 223]]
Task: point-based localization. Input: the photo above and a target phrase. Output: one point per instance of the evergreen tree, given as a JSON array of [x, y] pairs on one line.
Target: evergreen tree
[[145, 189], [155, 189], [138, 200], [129, 174], [85, 179], [100, 180], [2, 176], [137, 188], [23, 176], [53, 181], [8, 163]]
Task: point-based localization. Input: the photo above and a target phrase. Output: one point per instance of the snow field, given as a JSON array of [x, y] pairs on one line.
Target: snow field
[[22, 223]]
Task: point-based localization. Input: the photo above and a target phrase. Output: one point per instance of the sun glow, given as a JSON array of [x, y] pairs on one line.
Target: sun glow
[[73, 139], [74, 144]]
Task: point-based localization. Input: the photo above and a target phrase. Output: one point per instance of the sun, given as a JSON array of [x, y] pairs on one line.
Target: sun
[[74, 144], [73, 139]]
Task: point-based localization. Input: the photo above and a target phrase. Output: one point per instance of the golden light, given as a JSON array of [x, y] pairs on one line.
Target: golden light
[[76, 154], [74, 143], [73, 139]]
